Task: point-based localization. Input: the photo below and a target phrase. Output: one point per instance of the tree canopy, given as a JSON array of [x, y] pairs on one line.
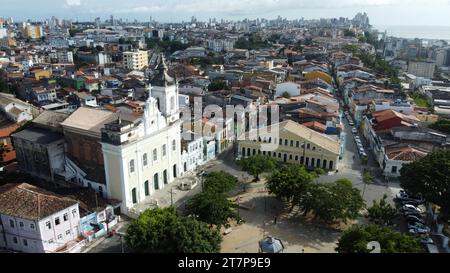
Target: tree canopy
[[381, 212], [252, 42], [331, 202], [212, 205], [213, 208], [290, 183], [442, 125], [166, 45], [165, 231], [429, 177], [328, 202], [218, 85], [357, 238], [258, 164], [219, 182]]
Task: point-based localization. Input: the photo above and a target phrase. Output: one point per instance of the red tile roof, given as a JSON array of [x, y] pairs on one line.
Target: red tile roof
[[7, 131], [405, 153], [30, 202], [317, 126]]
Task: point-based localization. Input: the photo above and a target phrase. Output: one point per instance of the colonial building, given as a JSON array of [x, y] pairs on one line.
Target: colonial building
[[144, 156], [291, 142], [37, 221], [40, 152], [84, 157]]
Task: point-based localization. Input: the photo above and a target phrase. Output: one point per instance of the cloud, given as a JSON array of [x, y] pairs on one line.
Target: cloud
[[243, 7], [73, 3]]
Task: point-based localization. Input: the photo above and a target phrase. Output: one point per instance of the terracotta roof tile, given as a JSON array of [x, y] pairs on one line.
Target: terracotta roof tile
[[29, 202]]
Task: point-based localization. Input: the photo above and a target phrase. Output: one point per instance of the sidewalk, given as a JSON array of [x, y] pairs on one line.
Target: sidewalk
[[99, 241]]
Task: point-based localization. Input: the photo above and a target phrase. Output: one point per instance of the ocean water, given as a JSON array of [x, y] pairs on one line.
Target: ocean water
[[422, 32]]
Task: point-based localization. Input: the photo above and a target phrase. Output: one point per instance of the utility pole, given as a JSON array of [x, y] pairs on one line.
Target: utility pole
[[238, 200], [171, 196], [121, 244]]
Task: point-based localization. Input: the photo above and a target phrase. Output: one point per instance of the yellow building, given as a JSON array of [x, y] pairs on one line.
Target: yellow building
[[426, 117], [318, 74], [42, 74], [291, 142], [135, 60], [34, 32]]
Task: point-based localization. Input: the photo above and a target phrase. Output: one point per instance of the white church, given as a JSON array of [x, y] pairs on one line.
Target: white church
[[143, 157]]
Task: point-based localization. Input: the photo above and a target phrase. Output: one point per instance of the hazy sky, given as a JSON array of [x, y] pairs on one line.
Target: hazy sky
[[381, 12]]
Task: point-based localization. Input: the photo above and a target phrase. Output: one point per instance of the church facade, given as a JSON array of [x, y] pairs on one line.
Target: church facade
[[144, 156]]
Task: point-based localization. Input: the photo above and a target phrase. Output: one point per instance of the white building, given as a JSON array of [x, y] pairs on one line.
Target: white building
[[193, 151], [3, 33], [221, 45], [143, 157], [36, 221], [183, 100], [62, 56], [403, 107], [396, 157], [291, 88], [422, 69], [15, 109]]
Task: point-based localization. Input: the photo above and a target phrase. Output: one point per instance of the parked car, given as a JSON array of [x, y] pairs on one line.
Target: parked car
[[418, 226], [403, 196], [414, 219], [412, 213], [354, 130], [364, 154], [427, 240], [351, 123], [411, 202], [406, 208], [417, 231]]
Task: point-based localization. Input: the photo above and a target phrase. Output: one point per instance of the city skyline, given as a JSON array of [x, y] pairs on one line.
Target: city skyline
[[381, 12]]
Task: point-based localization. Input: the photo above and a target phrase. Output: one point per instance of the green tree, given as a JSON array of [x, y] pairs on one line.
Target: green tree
[[356, 238], [219, 182], [3, 82], [251, 42], [290, 183], [442, 125], [286, 95], [367, 180], [165, 231], [258, 164], [218, 85], [334, 201], [429, 177], [349, 33], [213, 208], [381, 212]]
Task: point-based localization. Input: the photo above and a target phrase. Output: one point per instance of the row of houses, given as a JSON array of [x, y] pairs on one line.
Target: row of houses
[[394, 127]]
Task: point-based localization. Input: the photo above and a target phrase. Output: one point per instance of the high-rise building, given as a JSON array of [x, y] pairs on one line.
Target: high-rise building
[[34, 31], [135, 60], [422, 69], [97, 22]]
